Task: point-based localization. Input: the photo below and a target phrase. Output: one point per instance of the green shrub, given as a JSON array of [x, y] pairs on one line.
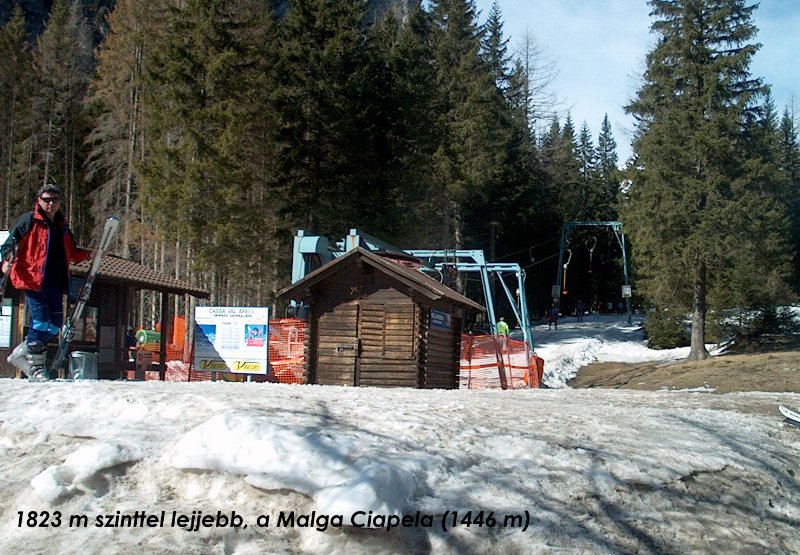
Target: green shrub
[[665, 330]]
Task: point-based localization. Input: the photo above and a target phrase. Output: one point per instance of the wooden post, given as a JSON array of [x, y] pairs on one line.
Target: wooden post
[[166, 325]]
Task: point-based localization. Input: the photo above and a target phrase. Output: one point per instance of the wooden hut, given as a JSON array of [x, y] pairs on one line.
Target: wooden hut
[[374, 322], [108, 312]]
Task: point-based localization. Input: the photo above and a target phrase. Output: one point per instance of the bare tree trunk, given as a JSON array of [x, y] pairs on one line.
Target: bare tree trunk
[[189, 309], [273, 290], [142, 261], [47, 152], [9, 168], [30, 174], [132, 139], [176, 310], [446, 221], [698, 349], [458, 240], [159, 266]]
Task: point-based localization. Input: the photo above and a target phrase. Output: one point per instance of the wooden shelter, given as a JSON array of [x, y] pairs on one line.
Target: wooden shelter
[[375, 322], [102, 328]]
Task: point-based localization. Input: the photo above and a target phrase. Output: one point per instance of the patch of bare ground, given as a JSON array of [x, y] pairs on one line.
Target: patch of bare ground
[[770, 364]]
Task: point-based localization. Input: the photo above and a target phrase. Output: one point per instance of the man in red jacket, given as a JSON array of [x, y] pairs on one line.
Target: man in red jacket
[[45, 248]]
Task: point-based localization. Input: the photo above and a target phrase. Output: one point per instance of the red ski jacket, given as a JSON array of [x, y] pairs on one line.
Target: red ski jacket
[[32, 235]]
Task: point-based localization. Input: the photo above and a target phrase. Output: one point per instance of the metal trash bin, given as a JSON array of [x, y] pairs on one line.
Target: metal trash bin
[[144, 360], [83, 365]]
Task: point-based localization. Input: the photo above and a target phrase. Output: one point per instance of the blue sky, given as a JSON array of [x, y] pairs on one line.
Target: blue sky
[[597, 49]]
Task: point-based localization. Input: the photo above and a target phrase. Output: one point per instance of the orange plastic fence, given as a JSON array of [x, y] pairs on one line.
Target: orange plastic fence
[[287, 339], [481, 369], [286, 355]]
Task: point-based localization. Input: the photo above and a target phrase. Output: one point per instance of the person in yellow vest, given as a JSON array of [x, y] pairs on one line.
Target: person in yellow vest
[[502, 333], [502, 327]]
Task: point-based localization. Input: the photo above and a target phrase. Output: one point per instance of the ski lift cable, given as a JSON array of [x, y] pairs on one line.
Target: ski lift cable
[[542, 260], [526, 249]]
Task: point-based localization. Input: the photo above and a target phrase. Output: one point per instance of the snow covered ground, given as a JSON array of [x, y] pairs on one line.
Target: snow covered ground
[[596, 339], [237, 468]]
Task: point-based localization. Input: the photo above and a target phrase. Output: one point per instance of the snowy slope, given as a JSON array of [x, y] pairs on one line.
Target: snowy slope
[[310, 469]]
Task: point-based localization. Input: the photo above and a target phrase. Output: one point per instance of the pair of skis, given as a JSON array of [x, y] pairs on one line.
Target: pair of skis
[[792, 417], [68, 329]]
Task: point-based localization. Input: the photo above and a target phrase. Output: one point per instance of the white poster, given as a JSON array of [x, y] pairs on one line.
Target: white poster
[[5, 315], [231, 339], [5, 323]]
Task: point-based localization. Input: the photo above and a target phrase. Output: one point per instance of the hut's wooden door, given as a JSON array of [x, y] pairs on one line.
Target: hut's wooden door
[[370, 343], [338, 347], [387, 334]]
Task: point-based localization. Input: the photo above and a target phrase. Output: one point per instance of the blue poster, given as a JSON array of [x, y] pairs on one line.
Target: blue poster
[[440, 320]]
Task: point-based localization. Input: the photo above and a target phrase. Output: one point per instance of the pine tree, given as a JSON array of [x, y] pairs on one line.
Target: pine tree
[[48, 143], [535, 203], [473, 137], [318, 99], [789, 163], [561, 162], [588, 182], [197, 185], [706, 230], [495, 48], [401, 120], [117, 99], [790, 148], [524, 197], [488, 212], [62, 65], [15, 87], [608, 174]]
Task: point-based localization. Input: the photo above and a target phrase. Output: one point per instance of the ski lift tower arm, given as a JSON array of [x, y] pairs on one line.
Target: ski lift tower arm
[[474, 261], [465, 261]]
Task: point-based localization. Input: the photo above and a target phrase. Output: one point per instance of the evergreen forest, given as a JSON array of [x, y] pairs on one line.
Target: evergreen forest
[[215, 129]]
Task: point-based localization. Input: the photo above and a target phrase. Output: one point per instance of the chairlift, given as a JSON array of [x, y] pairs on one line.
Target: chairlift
[[591, 250], [566, 230], [564, 280]]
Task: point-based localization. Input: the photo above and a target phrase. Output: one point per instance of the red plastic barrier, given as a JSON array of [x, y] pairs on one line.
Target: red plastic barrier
[[481, 368]]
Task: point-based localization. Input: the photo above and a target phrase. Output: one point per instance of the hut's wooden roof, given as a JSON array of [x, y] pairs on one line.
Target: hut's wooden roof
[[127, 272], [411, 277]]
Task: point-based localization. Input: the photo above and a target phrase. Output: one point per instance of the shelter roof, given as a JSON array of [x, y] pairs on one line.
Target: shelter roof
[[127, 272], [411, 277]]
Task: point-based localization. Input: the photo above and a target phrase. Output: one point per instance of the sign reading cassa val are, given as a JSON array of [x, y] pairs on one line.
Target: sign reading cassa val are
[[231, 339]]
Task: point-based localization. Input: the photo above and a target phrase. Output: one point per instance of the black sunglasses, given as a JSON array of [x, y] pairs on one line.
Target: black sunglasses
[[48, 200]]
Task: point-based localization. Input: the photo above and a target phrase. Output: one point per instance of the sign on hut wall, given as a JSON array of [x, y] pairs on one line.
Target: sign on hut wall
[[440, 319], [231, 339]]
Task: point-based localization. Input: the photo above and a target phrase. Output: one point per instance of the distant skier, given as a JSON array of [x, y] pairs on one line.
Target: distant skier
[[131, 344], [553, 317], [45, 248], [502, 327], [580, 309]]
